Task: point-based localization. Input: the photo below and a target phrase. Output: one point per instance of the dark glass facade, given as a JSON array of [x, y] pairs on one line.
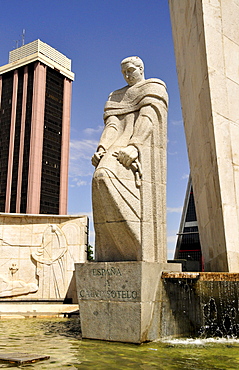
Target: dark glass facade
[[51, 157], [188, 243], [190, 248], [5, 122]]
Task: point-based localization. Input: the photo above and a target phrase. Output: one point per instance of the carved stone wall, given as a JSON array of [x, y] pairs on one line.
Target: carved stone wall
[[37, 256], [206, 41]]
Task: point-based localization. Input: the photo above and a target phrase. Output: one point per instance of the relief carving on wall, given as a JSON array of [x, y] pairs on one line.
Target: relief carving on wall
[[11, 288], [50, 259], [51, 262], [53, 246]]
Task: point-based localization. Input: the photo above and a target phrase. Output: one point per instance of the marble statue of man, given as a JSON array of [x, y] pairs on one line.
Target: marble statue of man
[[129, 182]]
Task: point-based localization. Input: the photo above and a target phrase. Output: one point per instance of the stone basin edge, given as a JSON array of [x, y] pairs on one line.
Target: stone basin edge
[[203, 276]]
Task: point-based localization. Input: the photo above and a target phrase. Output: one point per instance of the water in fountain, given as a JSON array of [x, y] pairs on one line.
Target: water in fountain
[[59, 338]]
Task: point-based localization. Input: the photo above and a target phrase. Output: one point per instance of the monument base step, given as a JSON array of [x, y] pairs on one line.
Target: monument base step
[[19, 310]]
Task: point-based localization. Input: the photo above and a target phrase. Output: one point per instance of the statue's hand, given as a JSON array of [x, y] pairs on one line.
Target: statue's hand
[[127, 155], [97, 157]]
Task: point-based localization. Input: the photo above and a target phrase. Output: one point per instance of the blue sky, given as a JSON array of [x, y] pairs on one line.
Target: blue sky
[[97, 35]]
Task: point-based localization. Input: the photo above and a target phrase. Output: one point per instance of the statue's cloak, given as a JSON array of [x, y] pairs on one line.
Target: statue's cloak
[[129, 204], [132, 98]]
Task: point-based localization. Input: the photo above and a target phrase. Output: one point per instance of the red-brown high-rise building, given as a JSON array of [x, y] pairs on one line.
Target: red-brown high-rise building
[[35, 102]]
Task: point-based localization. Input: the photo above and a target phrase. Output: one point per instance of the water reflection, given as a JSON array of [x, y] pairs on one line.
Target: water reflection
[[59, 338]]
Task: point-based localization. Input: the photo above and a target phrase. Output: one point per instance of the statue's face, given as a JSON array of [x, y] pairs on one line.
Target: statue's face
[[132, 74]]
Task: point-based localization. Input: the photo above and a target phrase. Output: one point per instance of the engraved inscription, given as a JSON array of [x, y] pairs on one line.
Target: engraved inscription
[[106, 291], [109, 294], [109, 272]]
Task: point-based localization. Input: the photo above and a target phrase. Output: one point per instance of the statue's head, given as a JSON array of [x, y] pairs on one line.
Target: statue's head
[[133, 70]]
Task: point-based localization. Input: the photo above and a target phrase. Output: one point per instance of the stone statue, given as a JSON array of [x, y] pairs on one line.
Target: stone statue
[[129, 182]]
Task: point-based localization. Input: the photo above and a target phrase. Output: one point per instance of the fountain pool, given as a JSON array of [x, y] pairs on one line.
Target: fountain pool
[[59, 339]]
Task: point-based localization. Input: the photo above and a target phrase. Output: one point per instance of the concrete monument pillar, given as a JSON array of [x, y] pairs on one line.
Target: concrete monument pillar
[[206, 41], [120, 294]]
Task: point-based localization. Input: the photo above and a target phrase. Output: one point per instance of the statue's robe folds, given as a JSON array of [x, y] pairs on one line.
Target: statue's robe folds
[[129, 204]]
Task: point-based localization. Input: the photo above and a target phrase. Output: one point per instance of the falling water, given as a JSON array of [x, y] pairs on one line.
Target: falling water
[[201, 305]]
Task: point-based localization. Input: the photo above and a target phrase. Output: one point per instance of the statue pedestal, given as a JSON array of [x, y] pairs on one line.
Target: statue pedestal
[[121, 301]]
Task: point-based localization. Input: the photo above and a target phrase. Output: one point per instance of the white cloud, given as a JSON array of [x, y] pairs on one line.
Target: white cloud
[[92, 237], [185, 176], [174, 209], [170, 254], [172, 239], [89, 214], [81, 152], [93, 131], [79, 183], [170, 141], [82, 148], [177, 122], [171, 244]]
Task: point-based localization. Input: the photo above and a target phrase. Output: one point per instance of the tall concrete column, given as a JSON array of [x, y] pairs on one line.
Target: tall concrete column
[[0, 90], [36, 141], [22, 136], [65, 143], [206, 41]]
